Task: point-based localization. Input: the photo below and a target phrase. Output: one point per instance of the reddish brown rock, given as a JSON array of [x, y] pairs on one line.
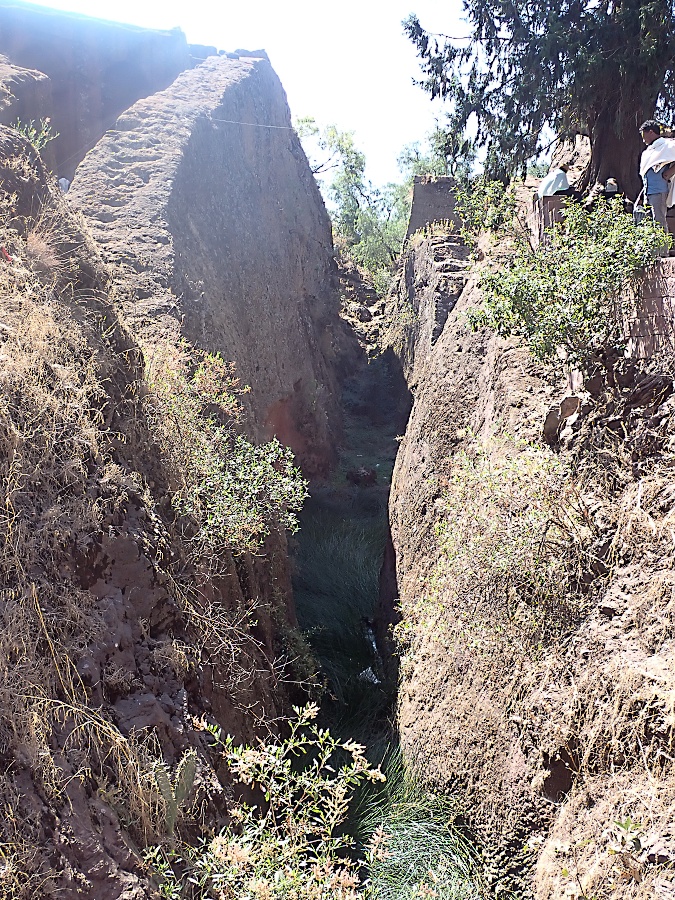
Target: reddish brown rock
[[202, 200]]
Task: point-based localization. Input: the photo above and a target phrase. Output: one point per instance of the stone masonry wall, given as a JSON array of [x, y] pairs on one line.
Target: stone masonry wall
[[433, 201], [651, 325]]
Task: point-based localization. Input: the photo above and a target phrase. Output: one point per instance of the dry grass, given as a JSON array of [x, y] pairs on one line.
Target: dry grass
[[59, 363], [76, 420], [513, 546]]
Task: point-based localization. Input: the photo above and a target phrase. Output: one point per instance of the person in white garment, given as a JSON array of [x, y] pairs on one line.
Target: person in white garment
[[556, 182], [657, 167]]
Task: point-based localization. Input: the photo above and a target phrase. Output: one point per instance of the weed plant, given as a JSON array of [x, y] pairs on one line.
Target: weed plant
[[484, 205], [290, 844], [39, 132], [229, 492]]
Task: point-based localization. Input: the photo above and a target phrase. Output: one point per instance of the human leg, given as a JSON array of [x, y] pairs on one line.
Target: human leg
[[659, 209]]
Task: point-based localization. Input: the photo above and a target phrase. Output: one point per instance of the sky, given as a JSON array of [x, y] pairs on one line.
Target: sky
[[345, 63]]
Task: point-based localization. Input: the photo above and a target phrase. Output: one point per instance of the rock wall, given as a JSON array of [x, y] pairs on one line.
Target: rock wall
[[650, 323], [96, 70], [111, 629], [433, 201], [550, 718], [203, 203], [205, 225]]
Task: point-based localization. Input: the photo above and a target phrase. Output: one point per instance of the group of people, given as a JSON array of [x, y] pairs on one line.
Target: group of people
[[657, 168]]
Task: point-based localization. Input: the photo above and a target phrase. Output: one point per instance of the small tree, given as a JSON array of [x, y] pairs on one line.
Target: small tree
[[569, 293], [369, 222]]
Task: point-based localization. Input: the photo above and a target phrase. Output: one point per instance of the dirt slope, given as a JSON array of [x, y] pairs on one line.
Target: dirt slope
[[534, 587]]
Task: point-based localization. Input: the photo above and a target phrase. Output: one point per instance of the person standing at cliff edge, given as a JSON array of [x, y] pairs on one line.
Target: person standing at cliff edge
[[657, 167], [555, 182]]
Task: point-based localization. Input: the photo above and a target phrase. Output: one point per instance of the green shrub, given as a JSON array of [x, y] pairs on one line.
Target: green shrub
[[229, 491], [566, 298], [39, 133], [289, 846]]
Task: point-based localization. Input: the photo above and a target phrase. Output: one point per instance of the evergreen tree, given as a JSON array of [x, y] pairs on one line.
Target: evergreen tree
[[596, 67]]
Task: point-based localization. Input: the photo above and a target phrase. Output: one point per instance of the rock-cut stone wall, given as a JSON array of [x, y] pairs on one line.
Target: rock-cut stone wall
[[81, 73], [202, 200]]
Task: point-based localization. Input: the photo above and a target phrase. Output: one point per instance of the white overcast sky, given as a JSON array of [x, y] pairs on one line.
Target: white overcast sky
[[346, 62]]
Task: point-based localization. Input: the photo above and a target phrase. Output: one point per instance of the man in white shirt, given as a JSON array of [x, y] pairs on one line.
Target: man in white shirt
[[657, 167], [555, 182]]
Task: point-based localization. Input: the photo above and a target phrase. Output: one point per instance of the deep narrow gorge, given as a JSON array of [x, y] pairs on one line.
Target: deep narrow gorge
[[236, 481]]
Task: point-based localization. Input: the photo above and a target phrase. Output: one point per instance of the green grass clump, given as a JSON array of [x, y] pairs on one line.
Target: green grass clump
[[415, 847], [336, 587]]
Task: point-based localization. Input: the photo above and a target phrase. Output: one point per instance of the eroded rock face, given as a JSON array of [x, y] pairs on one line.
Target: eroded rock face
[[24, 93], [95, 70], [96, 576], [203, 202], [551, 718], [451, 708]]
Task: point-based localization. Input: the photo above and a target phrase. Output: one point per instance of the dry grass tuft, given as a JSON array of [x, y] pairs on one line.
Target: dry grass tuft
[[58, 365], [514, 546]]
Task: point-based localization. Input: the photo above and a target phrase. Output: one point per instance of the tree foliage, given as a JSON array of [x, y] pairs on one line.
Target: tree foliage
[[569, 293], [576, 66], [447, 153], [369, 223]]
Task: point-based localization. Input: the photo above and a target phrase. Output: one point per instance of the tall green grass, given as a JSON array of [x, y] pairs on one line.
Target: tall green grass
[[336, 588], [416, 848], [409, 839]]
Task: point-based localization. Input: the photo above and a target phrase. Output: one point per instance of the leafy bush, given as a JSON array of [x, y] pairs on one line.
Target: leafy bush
[[230, 491], [291, 845], [569, 293], [484, 204]]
